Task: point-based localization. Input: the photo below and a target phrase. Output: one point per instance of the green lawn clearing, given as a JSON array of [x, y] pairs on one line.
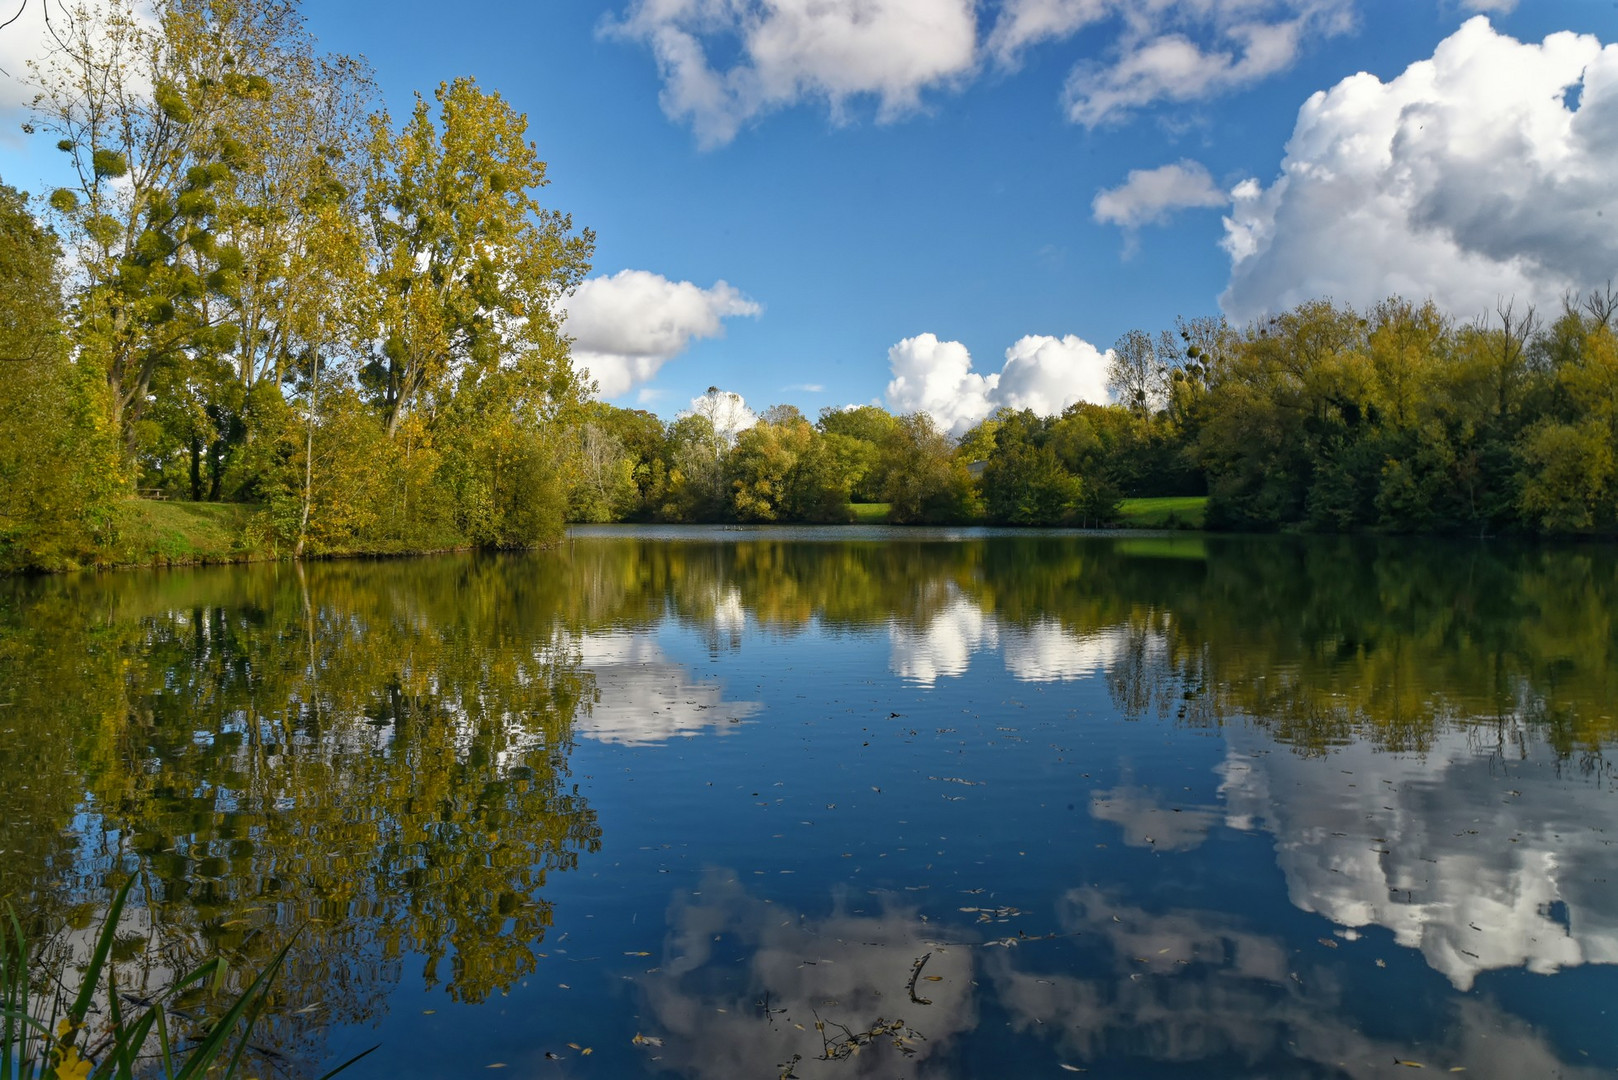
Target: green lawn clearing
[[153, 532]]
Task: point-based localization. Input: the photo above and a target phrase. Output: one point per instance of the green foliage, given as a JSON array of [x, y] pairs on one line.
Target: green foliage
[[247, 234], [1398, 420], [924, 482], [59, 474], [1024, 483], [783, 470], [858, 435]]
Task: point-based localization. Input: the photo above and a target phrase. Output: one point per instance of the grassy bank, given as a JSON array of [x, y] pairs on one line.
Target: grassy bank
[[149, 532], [1177, 512], [869, 513]]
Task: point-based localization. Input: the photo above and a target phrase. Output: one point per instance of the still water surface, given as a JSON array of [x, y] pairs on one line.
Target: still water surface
[[847, 803]]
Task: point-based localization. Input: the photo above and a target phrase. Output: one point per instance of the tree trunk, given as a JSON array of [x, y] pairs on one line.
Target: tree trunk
[[196, 468], [308, 461]]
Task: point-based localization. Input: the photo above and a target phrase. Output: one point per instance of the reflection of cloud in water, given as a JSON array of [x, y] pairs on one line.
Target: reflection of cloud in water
[[1179, 987], [1188, 986], [1478, 861], [1146, 822], [643, 698], [1047, 652], [943, 646], [729, 953], [729, 613]]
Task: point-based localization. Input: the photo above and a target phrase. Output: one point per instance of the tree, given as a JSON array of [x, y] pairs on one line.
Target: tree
[[782, 470], [144, 109], [602, 476], [858, 435], [58, 462], [925, 481], [470, 265], [1135, 372], [1024, 483]]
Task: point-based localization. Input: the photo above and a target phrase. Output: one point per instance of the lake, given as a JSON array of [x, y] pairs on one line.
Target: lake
[[846, 803]]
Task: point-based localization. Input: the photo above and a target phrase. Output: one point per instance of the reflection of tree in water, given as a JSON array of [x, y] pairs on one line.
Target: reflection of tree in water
[[1327, 641], [382, 748], [377, 753], [1322, 640]]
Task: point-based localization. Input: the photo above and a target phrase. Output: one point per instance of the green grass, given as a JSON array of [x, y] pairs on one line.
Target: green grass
[[173, 533], [1175, 512], [869, 513], [1193, 548]]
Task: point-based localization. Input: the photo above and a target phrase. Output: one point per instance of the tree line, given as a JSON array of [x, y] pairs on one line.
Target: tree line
[[1323, 418]]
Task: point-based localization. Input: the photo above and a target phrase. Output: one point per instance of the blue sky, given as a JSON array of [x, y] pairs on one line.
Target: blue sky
[[899, 191]]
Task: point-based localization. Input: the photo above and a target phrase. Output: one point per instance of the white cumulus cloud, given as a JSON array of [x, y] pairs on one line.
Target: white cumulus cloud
[[727, 410], [1167, 50], [627, 326], [26, 38], [790, 51], [1042, 373], [1480, 174], [1150, 196], [936, 377]]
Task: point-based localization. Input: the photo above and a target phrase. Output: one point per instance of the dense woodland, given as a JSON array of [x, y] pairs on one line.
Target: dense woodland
[[262, 288], [1396, 419]]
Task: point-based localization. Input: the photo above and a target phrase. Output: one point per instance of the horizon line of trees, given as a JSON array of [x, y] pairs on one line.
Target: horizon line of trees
[[1398, 419]]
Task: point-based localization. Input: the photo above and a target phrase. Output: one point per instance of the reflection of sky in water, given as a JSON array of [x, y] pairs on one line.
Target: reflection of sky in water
[[1046, 651], [1195, 893], [744, 981], [643, 698], [1475, 857], [1456, 852]]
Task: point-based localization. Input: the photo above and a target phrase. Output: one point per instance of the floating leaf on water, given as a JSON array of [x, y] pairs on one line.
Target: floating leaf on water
[[1409, 1064]]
